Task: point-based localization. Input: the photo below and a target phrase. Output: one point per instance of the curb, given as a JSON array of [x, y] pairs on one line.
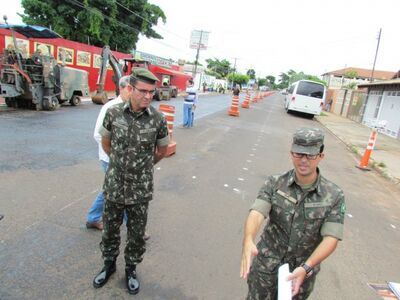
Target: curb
[[381, 171]]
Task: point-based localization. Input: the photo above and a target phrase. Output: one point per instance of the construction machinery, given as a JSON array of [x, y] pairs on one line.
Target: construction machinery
[[163, 91], [38, 81]]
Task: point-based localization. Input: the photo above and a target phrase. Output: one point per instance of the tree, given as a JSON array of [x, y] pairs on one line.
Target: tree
[[291, 76], [261, 81], [237, 78], [271, 81], [221, 67], [251, 73], [351, 74], [98, 22]]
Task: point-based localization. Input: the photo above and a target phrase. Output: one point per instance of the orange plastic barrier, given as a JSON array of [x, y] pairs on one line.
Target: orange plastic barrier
[[370, 146], [234, 111], [169, 113]]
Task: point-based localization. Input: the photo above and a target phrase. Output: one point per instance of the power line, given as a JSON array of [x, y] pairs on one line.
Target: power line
[[136, 14]]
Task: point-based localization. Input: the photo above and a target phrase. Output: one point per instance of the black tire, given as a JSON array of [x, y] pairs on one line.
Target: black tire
[[174, 93], [10, 102], [75, 100]]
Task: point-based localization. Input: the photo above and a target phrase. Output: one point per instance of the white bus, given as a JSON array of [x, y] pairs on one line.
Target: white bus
[[305, 96]]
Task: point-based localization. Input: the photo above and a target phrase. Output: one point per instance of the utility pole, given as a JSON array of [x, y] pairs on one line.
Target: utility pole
[[376, 54], [197, 54], [234, 71]]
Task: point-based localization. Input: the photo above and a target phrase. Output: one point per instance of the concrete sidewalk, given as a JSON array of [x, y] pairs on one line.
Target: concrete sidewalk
[[385, 157]]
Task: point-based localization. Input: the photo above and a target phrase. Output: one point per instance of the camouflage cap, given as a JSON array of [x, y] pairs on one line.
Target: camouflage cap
[[308, 141], [145, 75]]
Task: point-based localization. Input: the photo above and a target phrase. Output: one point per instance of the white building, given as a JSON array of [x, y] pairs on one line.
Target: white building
[[383, 106]]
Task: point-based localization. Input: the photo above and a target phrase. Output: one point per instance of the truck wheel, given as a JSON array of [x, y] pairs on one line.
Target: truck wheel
[[174, 93], [75, 100], [10, 102], [45, 104]]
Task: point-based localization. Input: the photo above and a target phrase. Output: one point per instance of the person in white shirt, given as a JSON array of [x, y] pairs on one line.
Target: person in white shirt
[[189, 104], [94, 216]]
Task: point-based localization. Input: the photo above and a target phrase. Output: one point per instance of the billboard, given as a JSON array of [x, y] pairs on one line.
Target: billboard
[[199, 39]]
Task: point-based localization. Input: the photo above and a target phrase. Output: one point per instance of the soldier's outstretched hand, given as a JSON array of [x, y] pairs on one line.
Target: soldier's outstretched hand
[[297, 277], [249, 250]]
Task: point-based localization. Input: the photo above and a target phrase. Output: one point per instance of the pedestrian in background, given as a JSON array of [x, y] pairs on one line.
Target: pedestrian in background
[[328, 105], [236, 91], [306, 215], [189, 104], [135, 136], [94, 216]]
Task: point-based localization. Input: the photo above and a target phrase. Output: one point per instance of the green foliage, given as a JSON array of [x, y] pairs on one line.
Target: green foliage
[[251, 73], [261, 81], [351, 85], [270, 81], [237, 78], [291, 76], [351, 74], [220, 67], [101, 22]]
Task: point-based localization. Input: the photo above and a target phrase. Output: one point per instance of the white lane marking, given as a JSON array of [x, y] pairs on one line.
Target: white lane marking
[[350, 215], [249, 161], [236, 190], [158, 168], [245, 169], [240, 179], [194, 177], [394, 227], [226, 185]]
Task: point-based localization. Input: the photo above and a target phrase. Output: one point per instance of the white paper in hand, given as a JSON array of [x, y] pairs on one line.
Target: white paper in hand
[[284, 286]]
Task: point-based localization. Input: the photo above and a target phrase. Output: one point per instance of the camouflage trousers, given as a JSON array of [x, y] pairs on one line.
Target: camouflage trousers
[[113, 215], [263, 280]]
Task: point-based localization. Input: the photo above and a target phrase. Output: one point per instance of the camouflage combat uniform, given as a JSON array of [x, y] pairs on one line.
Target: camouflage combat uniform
[[299, 217], [129, 179]]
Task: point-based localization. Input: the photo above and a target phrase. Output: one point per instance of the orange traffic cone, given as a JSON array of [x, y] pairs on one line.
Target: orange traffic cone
[[234, 111], [370, 146], [169, 113], [246, 102], [254, 100]]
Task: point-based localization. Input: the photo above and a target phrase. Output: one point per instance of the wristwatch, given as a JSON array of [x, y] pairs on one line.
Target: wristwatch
[[308, 269]]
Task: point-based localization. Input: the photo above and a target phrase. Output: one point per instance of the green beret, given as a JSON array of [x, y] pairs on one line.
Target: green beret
[[145, 75], [308, 141]]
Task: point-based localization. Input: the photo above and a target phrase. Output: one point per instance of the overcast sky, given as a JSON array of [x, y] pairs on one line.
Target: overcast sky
[[271, 37]]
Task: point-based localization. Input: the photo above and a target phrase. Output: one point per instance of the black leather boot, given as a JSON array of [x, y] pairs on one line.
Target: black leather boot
[[132, 283], [105, 273]]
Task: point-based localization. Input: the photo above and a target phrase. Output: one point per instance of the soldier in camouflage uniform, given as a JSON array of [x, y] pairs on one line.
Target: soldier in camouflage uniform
[[306, 215], [135, 135]]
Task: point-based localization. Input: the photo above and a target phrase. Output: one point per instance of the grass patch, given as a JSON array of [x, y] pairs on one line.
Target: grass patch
[[354, 149], [322, 114], [382, 164]]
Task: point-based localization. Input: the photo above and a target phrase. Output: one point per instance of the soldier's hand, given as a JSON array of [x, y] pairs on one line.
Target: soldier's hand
[[249, 250], [297, 277]]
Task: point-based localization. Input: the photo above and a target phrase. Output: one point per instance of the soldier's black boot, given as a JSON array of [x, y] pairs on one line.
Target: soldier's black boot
[[132, 283], [105, 273]]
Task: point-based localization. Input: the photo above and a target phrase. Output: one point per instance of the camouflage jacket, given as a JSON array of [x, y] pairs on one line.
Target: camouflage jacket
[[134, 136], [298, 219]]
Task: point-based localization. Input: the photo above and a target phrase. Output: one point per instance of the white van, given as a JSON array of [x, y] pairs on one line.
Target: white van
[[305, 96]]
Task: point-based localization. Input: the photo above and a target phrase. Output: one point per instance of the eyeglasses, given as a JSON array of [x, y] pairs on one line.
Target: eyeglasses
[[144, 92], [308, 156]]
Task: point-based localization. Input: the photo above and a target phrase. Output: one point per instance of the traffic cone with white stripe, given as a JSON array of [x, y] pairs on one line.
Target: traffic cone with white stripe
[[370, 146], [246, 102], [234, 111], [169, 113]]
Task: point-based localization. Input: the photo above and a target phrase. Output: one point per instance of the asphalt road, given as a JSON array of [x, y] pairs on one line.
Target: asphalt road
[[49, 175]]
